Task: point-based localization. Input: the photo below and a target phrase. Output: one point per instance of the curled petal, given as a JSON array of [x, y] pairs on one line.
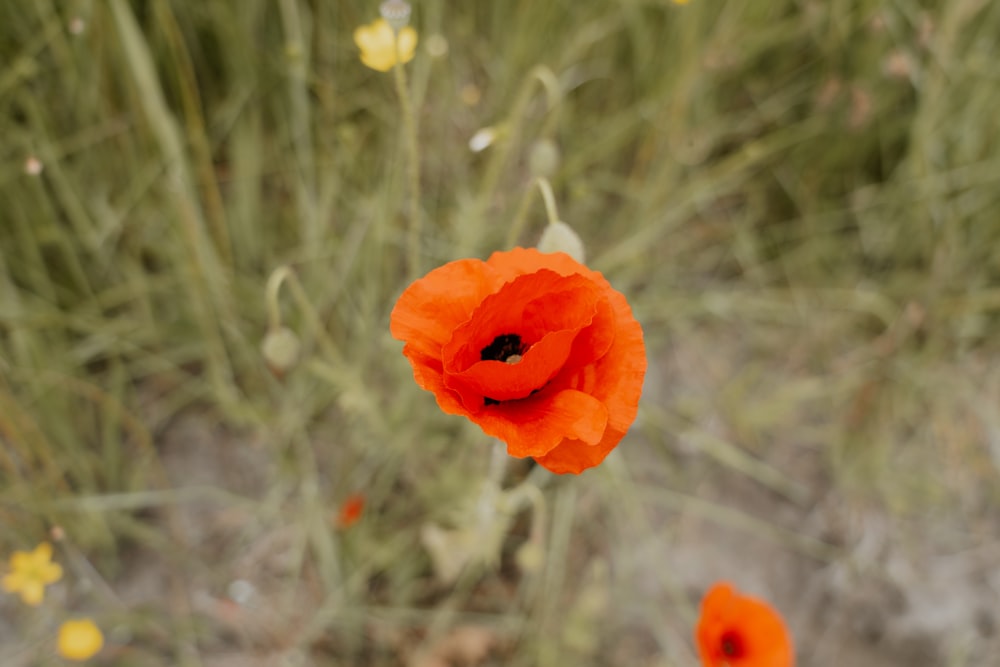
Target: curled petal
[[544, 312], [428, 312], [616, 377], [537, 426], [572, 456]]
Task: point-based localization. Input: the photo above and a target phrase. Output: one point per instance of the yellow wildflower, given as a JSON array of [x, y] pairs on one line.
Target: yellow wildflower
[[31, 572], [79, 639], [377, 49]]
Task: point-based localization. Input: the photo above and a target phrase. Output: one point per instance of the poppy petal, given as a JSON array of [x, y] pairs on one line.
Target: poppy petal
[[500, 381], [429, 310], [428, 374], [536, 426], [620, 373], [763, 639], [529, 306], [575, 456], [595, 340], [520, 261], [543, 312], [616, 378]]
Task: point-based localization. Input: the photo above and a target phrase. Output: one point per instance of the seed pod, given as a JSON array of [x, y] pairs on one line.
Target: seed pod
[[530, 558], [558, 236], [396, 13], [543, 160], [281, 350]]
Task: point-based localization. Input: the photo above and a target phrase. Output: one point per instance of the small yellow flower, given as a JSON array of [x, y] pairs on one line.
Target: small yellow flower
[[376, 43], [680, 2], [31, 572], [79, 639]]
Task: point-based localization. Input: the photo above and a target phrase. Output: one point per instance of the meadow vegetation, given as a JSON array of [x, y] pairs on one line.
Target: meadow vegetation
[[800, 199]]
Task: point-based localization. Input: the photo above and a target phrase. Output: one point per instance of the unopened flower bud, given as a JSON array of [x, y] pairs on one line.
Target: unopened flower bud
[[396, 13], [281, 349], [543, 160], [530, 557], [560, 237], [437, 46]]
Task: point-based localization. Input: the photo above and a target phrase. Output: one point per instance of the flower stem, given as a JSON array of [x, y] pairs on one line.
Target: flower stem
[[550, 199], [553, 94], [413, 164], [274, 282], [521, 217], [487, 506], [527, 493]]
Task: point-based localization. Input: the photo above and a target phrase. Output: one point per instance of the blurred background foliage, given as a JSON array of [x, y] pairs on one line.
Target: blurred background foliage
[[809, 185]]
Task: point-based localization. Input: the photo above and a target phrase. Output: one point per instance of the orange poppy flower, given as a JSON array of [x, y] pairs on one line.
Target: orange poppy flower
[[351, 510], [535, 348], [739, 631]]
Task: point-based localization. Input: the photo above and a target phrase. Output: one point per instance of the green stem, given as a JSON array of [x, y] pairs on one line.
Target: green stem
[[550, 199], [540, 74], [413, 164], [527, 493], [486, 508], [521, 217], [278, 277]]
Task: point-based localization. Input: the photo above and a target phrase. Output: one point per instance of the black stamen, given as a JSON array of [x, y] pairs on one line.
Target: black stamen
[[732, 645], [502, 347]]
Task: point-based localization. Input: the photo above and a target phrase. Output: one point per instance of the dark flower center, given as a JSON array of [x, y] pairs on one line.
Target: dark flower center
[[503, 348], [507, 348], [731, 644]]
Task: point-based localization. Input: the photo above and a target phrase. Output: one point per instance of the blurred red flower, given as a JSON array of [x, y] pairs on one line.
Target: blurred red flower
[[740, 631], [537, 349], [351, 510]]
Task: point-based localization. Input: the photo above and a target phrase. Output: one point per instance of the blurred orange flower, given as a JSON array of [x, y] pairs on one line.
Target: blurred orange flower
[[31, 572], [351, 510], [740, 631], [537, 349]]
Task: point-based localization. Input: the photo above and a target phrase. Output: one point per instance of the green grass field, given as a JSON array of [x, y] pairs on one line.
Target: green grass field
[[800, 199]]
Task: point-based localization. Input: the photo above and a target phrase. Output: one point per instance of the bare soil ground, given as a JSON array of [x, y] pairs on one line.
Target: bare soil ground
[[859, 584]]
